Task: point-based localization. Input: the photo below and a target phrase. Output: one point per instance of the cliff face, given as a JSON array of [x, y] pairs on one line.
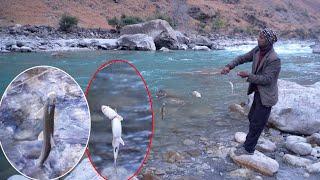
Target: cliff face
[[291, 18]]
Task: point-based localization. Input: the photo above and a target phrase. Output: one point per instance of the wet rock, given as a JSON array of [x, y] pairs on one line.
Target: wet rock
[[298, 145], [314, 139], [25, 49], [314, 168], [122, 173], [200, 40], [274, 132], [240, 137], [245, 173], [201, 48], [173, 157], [188, 142], [218, 151], [164, 39], [258, 162], [194, 152], [293, 138], [183, 47], [17, 177], [164, 49], [160, 31], [83, 171], [297, 108], [315, 152], [316, 49], [160, 172], [296, 161], [196, 94], [151, 28], [266, 145], [136, 42], [238, 109], [149, 176], [182, 39]]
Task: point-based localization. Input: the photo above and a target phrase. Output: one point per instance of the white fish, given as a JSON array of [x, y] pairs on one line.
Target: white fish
[[196, 94], [231, 84], [116, 130]]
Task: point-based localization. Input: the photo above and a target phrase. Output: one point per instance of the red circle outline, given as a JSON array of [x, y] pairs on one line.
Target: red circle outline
[[152, 113]]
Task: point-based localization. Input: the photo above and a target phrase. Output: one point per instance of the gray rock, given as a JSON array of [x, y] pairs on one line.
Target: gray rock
[[25, 49], [266, 146], [314, 168], [164, 49], [201, 48], [296, 161], [298, 145], [243, 172], [297, 109], [20, 43], [83, 171], [136, 42], [152, 28], [314, 139], [315, 152], [258, 162], [240, 137], [172, 157], [164, 39], [238, 109], [200, 41], [183, 47], [17, 177], [188, 142], [182, 39]]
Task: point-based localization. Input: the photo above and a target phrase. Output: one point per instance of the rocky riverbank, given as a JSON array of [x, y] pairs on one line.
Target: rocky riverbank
[[279, 151], [151, 35]]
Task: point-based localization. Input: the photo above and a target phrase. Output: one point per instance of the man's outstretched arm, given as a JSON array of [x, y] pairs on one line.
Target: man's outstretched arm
[[248, 57]]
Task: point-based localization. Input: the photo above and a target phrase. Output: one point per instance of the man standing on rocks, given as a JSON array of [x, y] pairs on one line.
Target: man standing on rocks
[[262, 80]]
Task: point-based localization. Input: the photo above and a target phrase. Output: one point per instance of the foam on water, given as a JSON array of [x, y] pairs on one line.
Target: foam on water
[[284, 47]]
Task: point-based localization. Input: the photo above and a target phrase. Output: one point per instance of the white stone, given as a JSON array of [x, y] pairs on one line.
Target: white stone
[[296, 161], [240, 137], [258, 162]]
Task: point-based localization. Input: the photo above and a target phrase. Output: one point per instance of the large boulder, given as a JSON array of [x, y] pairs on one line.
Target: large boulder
[[258, 162], [200, 41], [159, 30], [136, 42], [164, 39], [297, 109]]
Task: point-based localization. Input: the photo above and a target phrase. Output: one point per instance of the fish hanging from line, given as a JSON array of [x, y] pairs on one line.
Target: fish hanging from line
[[116, 130], [48, 128], [231, 84]]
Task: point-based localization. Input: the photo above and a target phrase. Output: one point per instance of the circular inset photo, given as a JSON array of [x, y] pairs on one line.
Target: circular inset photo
[[44, 123], [122, 120]]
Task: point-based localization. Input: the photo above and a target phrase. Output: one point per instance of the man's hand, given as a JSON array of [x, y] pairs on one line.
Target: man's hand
[[225, 70], [243, 74]]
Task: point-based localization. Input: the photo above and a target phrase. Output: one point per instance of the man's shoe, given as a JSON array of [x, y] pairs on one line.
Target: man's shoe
[[242, 151]]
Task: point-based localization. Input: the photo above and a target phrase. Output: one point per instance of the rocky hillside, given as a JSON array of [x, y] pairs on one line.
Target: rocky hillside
[[291, 18]]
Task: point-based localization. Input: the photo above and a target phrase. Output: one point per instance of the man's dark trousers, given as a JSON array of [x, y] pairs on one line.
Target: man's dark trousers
[[258, 118]]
